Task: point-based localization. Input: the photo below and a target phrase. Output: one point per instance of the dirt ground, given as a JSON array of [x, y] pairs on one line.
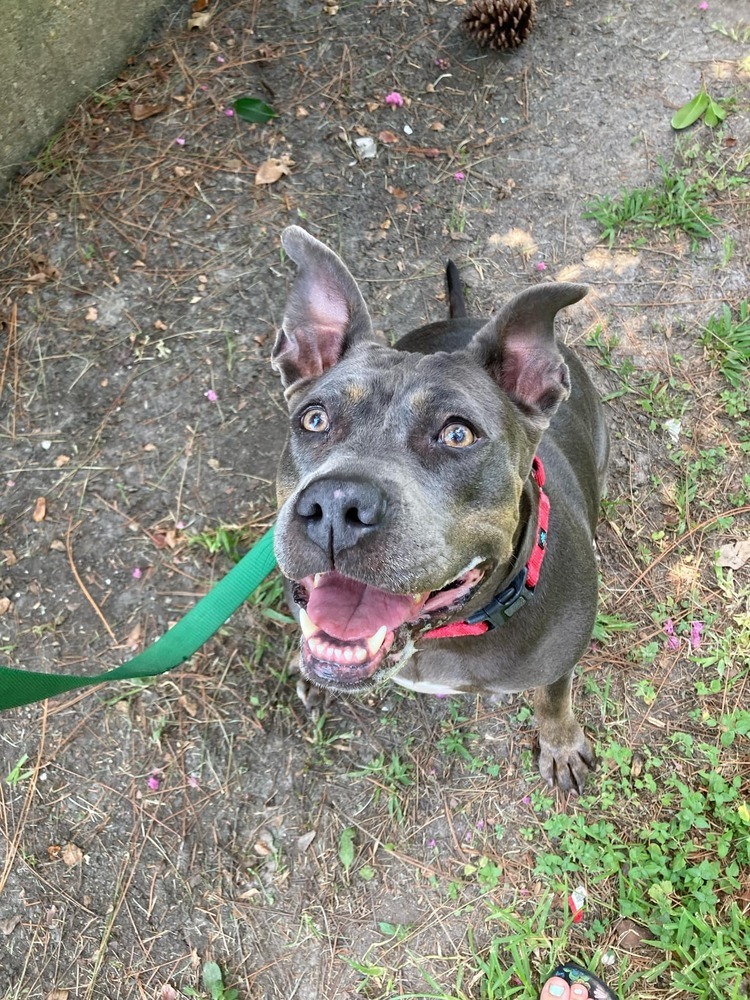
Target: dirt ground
[[153, 827]]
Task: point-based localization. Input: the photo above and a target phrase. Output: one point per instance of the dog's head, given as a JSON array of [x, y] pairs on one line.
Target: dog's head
[[401, 486]]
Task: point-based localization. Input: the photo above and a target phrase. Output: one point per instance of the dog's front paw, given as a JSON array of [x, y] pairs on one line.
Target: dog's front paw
[[567, 764], [316, 700]]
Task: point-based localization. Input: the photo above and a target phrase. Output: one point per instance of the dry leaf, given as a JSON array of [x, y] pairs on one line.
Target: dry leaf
[[57, 545], [138, 112], [72, 855], [306, 839], [168, 993], [92, 314], [200, 19], [159, 325], [53, 852], [734, 554], [8, 925], [61, 460], [273, 169], [437, 127], [397, 192], [387, 137], [10, 557], [40, 509], [198, 6], [58, 995], [134, 637], [30, 180], [233, 166], [5, 605], [301, 113]]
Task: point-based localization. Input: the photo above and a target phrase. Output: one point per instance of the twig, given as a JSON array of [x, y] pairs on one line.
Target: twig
[[79, 581]]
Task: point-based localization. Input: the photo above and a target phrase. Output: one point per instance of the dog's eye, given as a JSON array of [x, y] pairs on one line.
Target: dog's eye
[[315, 419], [457, 435]]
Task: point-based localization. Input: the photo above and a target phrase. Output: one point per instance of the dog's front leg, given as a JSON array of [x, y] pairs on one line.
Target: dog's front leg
[[565, 756]]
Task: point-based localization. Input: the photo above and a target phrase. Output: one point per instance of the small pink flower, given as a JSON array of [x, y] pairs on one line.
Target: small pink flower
[[180, 141], [541, 266], [220, 59], [480, 824], [431, 843], [459, 176], [467, 836], [193, 781], [210, 395], [442, 63], [137, 573], [673, 641], [394, 99], [526, 800], [229, 112], [153, 781], [703, 5], [696, 631], [180, 525]]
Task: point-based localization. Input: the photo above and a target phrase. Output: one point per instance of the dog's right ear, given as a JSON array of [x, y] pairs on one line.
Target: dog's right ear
[[325, 312]]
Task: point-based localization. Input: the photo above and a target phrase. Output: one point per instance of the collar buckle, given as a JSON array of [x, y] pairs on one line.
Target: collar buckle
[[504, 605]]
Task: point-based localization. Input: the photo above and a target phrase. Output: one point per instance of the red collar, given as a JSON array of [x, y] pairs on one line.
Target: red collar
[[505, 604]]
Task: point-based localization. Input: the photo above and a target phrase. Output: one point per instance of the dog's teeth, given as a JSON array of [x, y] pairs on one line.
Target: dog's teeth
[[316, 579], [360, 654], [306, 623], [376, 641], [417, 598]]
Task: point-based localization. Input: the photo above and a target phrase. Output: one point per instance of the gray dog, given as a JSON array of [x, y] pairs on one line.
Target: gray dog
[[437, 502]]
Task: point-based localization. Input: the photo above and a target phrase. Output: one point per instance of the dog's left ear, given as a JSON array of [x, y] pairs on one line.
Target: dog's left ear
[[519, 350], [325, 312]]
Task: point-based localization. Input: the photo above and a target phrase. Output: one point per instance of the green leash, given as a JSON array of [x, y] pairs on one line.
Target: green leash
[[21, 687]]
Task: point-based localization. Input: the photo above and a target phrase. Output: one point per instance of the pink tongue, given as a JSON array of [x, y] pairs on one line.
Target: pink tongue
[[346, 609]]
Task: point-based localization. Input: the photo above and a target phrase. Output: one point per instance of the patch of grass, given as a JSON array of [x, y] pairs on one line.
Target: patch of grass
[[727, 338], [677, 204], [390, 778]]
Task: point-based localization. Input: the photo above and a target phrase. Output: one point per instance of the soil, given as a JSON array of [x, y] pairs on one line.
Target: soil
[[156, 826]]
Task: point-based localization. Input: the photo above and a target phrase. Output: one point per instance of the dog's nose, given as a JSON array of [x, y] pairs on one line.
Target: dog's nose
[[339, 513]]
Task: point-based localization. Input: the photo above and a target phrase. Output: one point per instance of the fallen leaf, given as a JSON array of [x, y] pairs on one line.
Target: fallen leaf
[[61, 460], [733, 555], [139, 112], [273, 169], [397, 192], [134, 637], [8, 925], [72, 855], [159, 325], [306, 839], [198, 6], [5, 605], [53, 852], [92, 314], [387, 137], [200, 19], [10, 557], [30, 180], [233, 166], [168, 993], [437, 127], [57, 545], [40, 509]]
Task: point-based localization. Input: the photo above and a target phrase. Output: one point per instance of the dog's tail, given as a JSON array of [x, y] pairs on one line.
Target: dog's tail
[[456, 302]]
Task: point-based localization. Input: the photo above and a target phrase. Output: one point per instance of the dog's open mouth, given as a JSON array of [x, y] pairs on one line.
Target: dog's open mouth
[[351, 629]]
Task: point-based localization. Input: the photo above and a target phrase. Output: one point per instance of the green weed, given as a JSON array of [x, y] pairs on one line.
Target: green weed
[[19, 773], [390, 778], [213, 984], [727, 338], [677, 204]]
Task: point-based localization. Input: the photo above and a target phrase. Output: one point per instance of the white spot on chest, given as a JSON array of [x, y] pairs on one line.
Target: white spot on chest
[[425, 687]]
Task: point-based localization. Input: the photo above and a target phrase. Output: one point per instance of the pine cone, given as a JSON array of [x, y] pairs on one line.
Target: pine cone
[[500, 24]]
